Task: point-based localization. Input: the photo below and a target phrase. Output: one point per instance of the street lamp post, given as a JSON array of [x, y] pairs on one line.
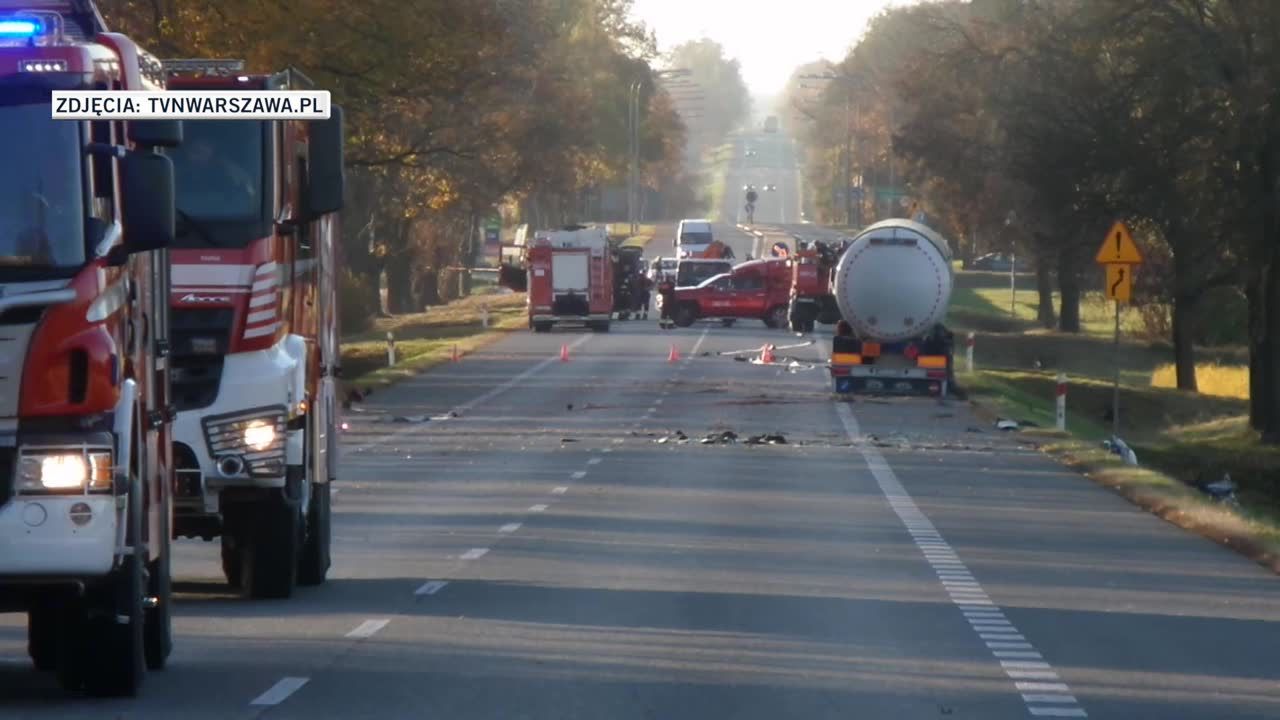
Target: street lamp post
[[847, 163], [633, 135]]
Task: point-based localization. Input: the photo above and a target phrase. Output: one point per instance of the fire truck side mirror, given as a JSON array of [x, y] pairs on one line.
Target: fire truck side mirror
[[326, 181], [147, 202], [156, 133]]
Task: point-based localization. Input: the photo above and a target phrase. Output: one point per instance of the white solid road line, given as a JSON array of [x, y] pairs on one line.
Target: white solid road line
[[280, 691], [431, 587], [509, 528], [470, 404], [474, 553], [367, 628], [698, 345], [984, 616]]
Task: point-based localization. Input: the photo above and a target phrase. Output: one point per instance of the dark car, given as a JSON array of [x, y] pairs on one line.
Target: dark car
[[995, 262]]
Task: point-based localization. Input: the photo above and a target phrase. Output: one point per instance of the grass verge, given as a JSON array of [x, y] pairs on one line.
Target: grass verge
[[424, 340], [1182, 439]]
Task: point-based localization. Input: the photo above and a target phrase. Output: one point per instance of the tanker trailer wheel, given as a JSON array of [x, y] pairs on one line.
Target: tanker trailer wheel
[[685, 315], [42, 634]]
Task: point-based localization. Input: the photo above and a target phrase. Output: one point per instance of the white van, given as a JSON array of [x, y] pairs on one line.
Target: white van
[[692, 237]]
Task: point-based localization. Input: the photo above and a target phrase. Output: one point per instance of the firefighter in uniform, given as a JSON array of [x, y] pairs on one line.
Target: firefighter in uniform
[[667, 289]]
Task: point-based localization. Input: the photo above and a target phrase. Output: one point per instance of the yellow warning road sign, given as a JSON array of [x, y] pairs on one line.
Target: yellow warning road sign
[[1118, 248], [1119, 282]]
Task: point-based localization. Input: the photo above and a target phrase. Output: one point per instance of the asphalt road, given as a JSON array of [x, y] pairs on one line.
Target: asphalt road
[[521, 537]]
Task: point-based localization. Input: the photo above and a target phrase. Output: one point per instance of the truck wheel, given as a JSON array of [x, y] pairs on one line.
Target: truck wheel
[[231, 556], [314, 562], [684, 316], [112, 658], [777, 317], [269, 560], [42, 636], [158, 626]]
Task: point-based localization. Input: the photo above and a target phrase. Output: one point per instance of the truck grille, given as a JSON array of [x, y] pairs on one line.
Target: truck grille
[[200, 340]]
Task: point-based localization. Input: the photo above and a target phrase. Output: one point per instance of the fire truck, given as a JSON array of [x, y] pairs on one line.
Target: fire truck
[[85, 417], [255, 332], [811, 300], [570, 278]]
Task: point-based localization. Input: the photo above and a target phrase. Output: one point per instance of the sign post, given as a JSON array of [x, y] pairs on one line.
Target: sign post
[[1118, 256]]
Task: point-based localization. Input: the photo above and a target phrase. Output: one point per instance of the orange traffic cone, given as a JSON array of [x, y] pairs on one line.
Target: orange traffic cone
[[564, 353], [455, 357], [674, 355], [766, 354]]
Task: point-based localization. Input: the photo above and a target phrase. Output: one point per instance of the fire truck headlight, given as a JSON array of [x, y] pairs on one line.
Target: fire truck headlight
[[259, 435], [74, 471]]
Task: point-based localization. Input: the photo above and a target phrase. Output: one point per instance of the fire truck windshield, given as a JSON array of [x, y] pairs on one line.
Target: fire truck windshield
[[219, 174], [42, 194]]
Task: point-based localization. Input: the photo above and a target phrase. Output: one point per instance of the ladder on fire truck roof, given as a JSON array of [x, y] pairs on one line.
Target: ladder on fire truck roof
[[202, 66]]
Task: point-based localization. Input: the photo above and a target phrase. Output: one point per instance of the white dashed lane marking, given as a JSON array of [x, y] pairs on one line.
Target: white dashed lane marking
[[537, 508], [594, 461], [562, 490], [1018, 658], [509, 528], [578, 475], [367, 628], [280, 691], [430, 587], [474, 553]]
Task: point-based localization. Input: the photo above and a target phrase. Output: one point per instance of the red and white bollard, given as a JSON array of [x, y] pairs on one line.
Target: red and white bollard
[[1062, 401], [391, 349], [968, 352]]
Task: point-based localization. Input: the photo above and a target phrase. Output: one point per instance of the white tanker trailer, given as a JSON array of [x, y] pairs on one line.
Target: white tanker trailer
[[893, 286]]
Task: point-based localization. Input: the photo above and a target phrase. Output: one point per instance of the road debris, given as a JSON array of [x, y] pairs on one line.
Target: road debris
[[1006, 424], [727, 437]]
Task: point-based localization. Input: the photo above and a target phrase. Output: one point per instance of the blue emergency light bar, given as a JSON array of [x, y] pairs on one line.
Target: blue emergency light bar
[[21, 28]]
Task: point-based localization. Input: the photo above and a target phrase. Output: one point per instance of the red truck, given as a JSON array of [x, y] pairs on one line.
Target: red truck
[[255, 332], [811, 299], [85, 415], [569, 276], [753, 289]]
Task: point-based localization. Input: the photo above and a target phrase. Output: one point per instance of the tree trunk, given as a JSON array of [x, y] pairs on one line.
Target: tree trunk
[[1069, 288], [1269, 359], [429, 287], [1044, 286], [400, 287], [1257, 348], [1184, 355]]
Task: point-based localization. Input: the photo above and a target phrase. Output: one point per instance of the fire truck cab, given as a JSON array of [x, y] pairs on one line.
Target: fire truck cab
[[255, 332], [85, 450]]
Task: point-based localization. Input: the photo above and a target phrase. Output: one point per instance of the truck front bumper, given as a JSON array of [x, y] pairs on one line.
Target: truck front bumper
[[57, 538], [242, 439]]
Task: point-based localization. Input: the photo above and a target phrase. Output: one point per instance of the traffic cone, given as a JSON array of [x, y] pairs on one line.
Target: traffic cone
[[455, 357], [766, 354], [564, 353], [674, 355]]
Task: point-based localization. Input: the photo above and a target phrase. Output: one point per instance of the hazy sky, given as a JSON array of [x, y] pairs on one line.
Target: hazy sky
[[768, 37]]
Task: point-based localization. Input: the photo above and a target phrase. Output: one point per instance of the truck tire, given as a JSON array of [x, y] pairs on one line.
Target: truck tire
[[777, 317], [314, 562], [269, 555], [231, 566], [685, 315], [107, 658], [158, 625], [42, 636]]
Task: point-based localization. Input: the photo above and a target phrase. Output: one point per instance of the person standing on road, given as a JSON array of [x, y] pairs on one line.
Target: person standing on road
[[643, 288], [667, 289]]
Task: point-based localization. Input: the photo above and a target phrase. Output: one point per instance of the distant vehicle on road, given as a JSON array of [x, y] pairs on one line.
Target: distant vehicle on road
[[751, 152], [770, 188], [995, 262], [771, 124], [693, 236]]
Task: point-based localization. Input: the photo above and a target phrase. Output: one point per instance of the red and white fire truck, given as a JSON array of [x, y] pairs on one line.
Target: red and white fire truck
[[570, 278], [812, 300], [85, 417], [255, 332]]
